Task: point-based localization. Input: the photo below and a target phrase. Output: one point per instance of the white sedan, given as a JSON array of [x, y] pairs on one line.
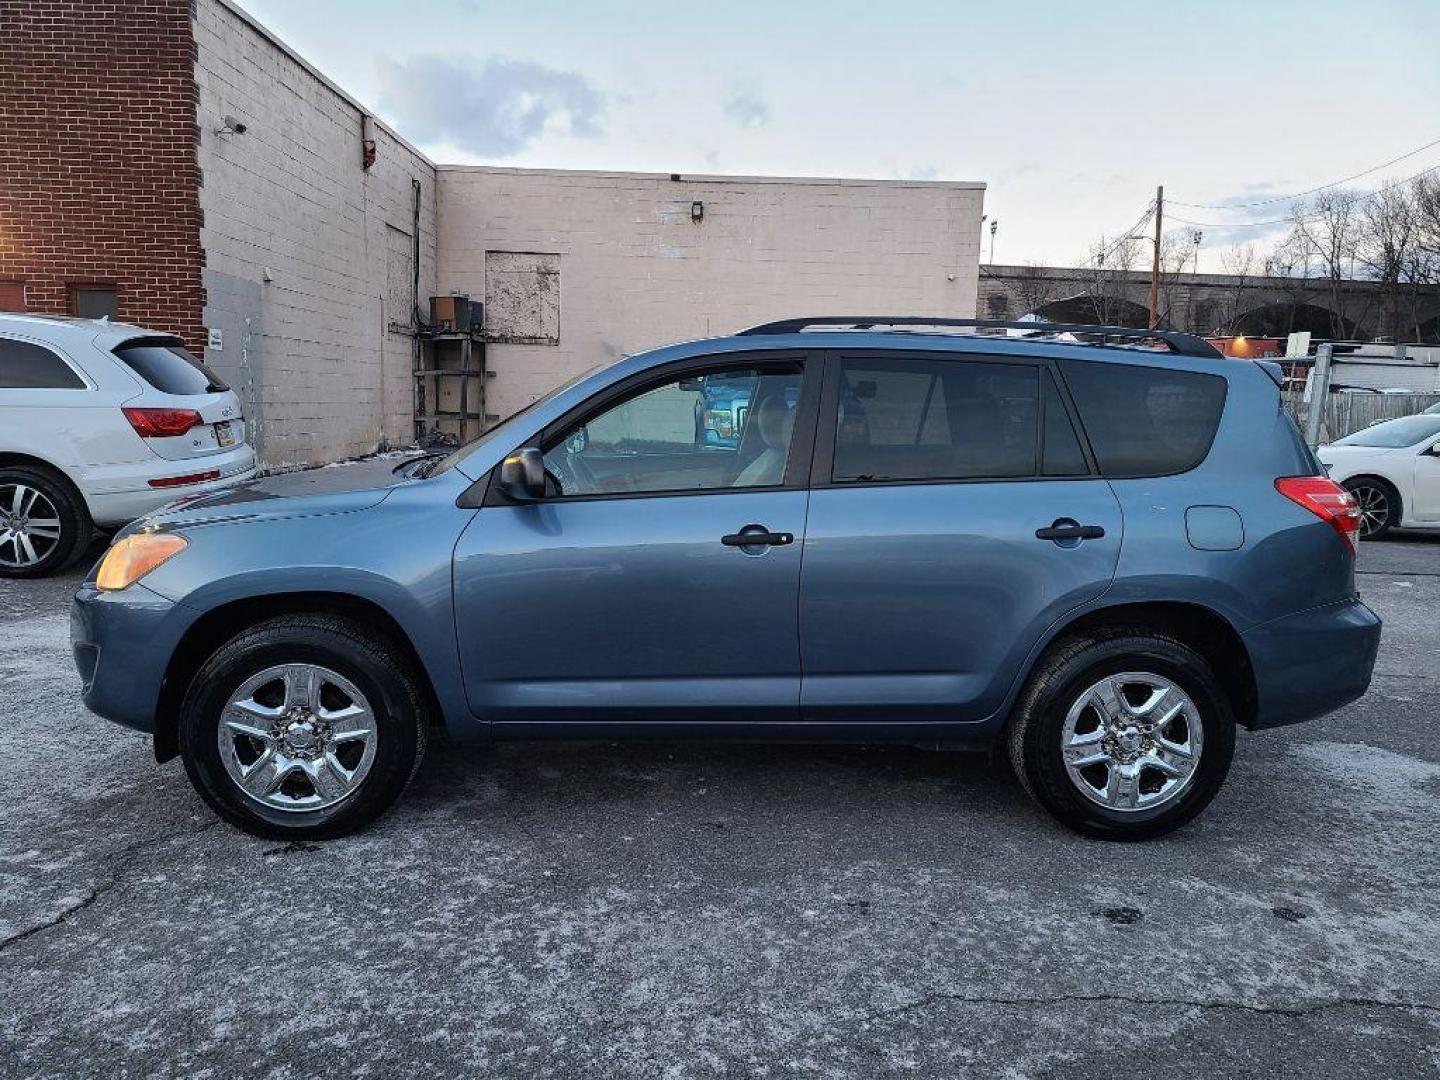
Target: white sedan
[[1393, 469]]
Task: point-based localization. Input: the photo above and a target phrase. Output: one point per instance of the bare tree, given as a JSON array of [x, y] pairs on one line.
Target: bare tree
[[1239, 263], [1387, 236], [1326, 229], [1176, 249], [1106, 269], [1032, 289], [1423, 268]]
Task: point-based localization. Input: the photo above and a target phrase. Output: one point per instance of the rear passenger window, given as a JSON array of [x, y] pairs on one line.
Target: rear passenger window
[[1145, 421], [25, 366], [166, 366], [1062, 455], [904, 419]]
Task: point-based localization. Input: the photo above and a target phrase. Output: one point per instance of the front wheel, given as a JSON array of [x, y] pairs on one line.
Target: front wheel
[[303, 727], [1379, 506], [1123, 736]]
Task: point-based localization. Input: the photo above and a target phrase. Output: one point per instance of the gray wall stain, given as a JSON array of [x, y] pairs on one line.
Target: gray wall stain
[[235, 306]]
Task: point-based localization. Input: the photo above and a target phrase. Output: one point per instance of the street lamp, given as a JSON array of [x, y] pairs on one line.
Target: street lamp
[[994, 224]]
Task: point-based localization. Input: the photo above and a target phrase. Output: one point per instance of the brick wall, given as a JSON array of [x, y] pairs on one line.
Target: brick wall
[[308, 254], [97, 157], [636, 271]]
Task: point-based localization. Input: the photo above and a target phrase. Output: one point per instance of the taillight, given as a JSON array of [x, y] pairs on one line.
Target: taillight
[[161, 423], [1327, 500]]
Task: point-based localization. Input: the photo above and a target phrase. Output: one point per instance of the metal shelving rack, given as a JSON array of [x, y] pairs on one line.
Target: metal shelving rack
[[450, 379]]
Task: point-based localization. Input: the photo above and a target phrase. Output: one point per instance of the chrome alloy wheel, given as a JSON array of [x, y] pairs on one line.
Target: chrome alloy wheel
[[1374, 508], [29, 526], [1132, 741], [297, 737]]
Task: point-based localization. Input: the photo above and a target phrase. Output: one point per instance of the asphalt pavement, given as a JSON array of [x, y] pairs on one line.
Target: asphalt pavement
[[696, 910]]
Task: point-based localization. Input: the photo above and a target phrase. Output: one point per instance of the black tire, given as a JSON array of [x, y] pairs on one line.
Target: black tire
[[1035, 734], [370, 662], [76, 529], [1379, 505]]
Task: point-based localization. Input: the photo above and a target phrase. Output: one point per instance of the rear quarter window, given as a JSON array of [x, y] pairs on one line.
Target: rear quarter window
[[27, 366], [1145, 421], [166, 366]]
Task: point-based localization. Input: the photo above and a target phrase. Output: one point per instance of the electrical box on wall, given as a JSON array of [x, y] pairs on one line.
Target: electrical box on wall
[[456, 314]]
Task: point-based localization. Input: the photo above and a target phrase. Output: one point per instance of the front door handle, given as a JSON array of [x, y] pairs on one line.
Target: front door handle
[[1070, 531], [757, 536]]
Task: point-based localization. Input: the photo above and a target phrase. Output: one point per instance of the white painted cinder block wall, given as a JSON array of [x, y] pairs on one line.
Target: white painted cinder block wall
[[307, 253], [636, 271]]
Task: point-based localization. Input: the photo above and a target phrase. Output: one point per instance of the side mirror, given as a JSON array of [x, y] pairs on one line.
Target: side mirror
[[1434, 450], [522, 475]]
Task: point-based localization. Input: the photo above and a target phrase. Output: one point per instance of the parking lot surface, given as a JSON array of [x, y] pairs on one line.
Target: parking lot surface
[[696, 910]]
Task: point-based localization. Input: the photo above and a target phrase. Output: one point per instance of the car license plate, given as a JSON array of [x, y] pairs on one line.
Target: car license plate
[[224, 434]]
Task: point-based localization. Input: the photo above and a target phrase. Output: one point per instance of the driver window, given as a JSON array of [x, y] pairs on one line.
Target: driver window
[[725, 428]]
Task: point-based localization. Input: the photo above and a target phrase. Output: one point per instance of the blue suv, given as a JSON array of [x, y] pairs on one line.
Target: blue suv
[[1097, 550]]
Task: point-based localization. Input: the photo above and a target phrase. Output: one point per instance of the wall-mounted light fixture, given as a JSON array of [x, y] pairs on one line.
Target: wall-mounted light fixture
[[697, 212]]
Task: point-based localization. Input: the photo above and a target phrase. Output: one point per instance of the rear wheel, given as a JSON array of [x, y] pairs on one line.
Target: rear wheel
[[1379, 506], [303, 727], [1123, 736], [44, 525]]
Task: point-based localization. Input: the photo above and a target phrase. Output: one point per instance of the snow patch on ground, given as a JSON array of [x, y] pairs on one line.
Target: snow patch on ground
[[37, 647], [1371, 774]]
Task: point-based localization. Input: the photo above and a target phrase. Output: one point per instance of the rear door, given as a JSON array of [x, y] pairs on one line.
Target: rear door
[[954, 515]]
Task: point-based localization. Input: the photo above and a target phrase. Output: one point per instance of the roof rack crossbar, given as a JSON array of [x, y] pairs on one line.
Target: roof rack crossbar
[[1181, 344]]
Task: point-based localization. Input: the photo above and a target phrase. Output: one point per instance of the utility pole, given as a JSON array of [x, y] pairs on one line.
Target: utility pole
[[1155, 261], [994, 224]]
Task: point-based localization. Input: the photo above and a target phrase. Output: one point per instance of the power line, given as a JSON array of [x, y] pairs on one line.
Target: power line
[[1311, 191], [1128, 233], [1301, 219]]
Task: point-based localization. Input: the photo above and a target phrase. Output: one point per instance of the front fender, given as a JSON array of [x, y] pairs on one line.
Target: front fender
[[396, 555]]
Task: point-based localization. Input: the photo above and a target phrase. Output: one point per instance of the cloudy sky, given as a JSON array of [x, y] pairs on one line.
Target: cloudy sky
[[1070, 112]]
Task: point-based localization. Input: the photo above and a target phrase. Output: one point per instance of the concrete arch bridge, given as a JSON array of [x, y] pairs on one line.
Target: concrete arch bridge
[[1214, 303]]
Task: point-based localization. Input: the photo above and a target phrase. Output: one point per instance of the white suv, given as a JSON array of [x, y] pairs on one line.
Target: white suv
[[101, 422]]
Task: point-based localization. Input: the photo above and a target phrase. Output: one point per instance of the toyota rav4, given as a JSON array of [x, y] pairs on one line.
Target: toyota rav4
[[1098, 550]]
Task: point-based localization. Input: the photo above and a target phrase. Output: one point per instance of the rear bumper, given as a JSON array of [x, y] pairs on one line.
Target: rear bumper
[[122, 643], [1313, 662], [122, 495]]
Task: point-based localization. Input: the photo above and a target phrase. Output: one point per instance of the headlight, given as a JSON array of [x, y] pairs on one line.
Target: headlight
[[134, 557]]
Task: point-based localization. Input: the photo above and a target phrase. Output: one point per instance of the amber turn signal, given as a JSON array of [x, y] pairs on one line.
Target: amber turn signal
[[134, 557]]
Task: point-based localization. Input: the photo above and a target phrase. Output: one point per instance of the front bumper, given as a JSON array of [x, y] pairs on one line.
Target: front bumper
[[122, 643], [1313, 662]]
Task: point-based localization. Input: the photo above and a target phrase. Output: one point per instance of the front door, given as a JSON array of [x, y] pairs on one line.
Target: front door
[[658, 581], [957, 519]]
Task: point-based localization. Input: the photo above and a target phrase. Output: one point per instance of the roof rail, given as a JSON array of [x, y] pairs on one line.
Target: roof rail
[[1180, 344]]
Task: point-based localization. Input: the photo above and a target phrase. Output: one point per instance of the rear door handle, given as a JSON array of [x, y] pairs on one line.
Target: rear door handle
[[1070, 532], [757, 536]]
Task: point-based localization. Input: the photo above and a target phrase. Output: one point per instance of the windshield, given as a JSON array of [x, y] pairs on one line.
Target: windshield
[[1393, 434], [456, 456]]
